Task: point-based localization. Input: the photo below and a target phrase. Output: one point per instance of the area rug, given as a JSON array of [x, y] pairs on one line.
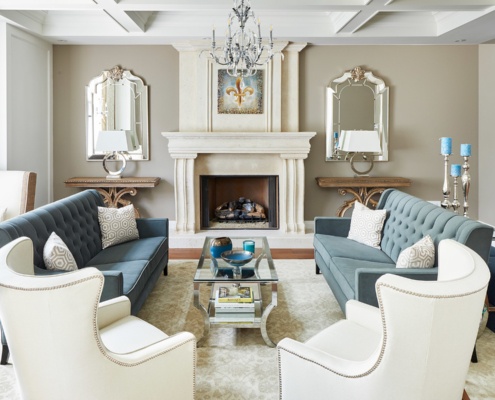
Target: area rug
[[236, 364]]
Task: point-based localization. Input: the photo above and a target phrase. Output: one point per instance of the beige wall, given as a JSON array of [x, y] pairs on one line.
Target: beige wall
[[73, 68], [487, 133], [433, 93]]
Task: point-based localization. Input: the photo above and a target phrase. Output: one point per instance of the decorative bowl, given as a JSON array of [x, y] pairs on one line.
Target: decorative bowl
[[237, 257]]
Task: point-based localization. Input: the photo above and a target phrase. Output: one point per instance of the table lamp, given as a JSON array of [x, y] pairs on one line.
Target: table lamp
[[114, 143], [360, 142]]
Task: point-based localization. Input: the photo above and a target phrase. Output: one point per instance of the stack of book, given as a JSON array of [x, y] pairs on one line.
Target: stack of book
[[234, 308]]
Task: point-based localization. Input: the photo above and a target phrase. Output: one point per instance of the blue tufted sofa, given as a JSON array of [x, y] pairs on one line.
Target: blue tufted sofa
[[351, 268], [130, 269]]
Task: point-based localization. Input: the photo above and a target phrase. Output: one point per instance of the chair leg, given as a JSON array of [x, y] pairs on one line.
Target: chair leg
[[165, 270], [474, 357], [5, 354], [318, 271], [465, 395]]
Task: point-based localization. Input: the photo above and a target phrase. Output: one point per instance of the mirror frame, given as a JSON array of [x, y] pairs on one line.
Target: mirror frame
[[117, 74], [356, 77]]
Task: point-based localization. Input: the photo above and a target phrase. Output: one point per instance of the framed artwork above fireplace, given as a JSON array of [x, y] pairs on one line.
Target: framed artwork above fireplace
[[240, 95]]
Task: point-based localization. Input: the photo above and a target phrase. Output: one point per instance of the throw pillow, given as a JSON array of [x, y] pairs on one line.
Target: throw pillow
[[419, 255], [366, 225], [3, 211], [117, 225], [57, 255]]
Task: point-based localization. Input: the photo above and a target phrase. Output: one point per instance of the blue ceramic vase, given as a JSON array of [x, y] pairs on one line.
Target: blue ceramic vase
[[219, 245]]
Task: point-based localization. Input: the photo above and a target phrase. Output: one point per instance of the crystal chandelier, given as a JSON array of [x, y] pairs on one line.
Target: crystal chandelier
[[243, 49]]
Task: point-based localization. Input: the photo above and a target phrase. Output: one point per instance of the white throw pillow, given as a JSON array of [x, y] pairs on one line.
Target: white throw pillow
[[57, 255], [3, 211], [117, 225], [419, 255], [366, 225]]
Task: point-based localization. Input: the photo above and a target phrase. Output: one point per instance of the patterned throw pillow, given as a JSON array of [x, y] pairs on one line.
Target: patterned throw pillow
[[117, 225], [366, 225], [57, 255], [419, 255]]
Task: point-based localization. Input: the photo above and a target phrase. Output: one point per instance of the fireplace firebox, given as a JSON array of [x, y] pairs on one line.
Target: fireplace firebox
[[239, 202]]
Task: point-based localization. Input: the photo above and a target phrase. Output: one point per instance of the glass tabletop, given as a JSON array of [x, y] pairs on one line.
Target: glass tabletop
[[259, 269]]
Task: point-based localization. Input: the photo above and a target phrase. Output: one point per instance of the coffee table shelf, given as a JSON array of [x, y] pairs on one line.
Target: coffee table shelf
[[212, 271]]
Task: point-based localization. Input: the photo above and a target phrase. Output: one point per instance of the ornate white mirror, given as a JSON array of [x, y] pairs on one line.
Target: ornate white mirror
[[117, 100], [356, 101]]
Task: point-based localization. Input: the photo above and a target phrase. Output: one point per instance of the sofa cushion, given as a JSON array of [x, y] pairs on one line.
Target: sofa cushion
[[57, 255], [118, 225], [137, 260], [142, 249], [336, 246], [344, 272], [366, 225], [419, 255]]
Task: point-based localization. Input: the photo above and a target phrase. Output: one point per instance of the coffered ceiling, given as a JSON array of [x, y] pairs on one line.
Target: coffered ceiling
[[312, 21]]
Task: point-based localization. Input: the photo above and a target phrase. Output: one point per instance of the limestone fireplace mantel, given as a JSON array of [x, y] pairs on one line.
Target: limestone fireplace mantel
[[241, 153]]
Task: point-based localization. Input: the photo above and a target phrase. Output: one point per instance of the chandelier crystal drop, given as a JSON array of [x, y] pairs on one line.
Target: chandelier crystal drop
[[243, 49]]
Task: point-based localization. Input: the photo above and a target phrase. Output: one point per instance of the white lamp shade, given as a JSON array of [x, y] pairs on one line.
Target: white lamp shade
[[116, 141], [360, 141]]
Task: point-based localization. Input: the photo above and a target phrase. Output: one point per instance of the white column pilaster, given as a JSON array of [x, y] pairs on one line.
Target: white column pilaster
[[293, 193], [184, 193]]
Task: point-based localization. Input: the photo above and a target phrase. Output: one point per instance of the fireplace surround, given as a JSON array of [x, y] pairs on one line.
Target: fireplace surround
[[198, 154]]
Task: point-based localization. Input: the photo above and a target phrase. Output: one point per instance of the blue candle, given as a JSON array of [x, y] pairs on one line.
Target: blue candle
[[248, 245], [446, 146], [455, 170], [465, 150]]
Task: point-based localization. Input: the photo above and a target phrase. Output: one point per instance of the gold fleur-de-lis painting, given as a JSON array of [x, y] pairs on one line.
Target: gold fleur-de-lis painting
[[239, 91], [240, 95]]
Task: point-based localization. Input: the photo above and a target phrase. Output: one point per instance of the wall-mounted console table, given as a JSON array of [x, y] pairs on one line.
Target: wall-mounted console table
[[113, 190], [365, 189]]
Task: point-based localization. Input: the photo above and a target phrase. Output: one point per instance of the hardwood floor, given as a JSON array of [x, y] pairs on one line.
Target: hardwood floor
[[191, 254]]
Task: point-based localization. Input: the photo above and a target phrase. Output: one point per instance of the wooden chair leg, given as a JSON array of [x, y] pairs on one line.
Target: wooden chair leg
[[465, 395]]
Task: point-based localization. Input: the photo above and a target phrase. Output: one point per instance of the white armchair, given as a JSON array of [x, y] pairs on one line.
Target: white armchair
[[65, 345], [416, 346], [18, 192]]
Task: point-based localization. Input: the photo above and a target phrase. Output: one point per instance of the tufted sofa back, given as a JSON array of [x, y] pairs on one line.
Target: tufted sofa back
[[409, 219], [74, 219]]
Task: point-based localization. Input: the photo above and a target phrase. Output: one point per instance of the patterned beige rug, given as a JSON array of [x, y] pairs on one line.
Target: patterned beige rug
[[235, 364]]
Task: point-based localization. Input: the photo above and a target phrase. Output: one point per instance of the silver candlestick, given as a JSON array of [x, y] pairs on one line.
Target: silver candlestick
[[466, 184], [455, 203], [446, 184]]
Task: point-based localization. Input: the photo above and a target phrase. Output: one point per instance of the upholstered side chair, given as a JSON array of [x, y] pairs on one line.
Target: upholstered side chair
[[417, 345], [18, 192], [66, 345]]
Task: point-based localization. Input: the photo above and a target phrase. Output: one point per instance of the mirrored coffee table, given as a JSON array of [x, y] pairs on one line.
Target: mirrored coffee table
[[216, 272]]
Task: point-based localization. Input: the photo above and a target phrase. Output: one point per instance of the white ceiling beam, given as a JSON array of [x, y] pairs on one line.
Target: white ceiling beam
[[23, 19], [48, 5], [131, 22]]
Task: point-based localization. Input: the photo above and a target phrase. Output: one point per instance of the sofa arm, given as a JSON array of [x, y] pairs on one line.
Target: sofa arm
[[113, 285], [335, 226], [366, 279], [152, 227]]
